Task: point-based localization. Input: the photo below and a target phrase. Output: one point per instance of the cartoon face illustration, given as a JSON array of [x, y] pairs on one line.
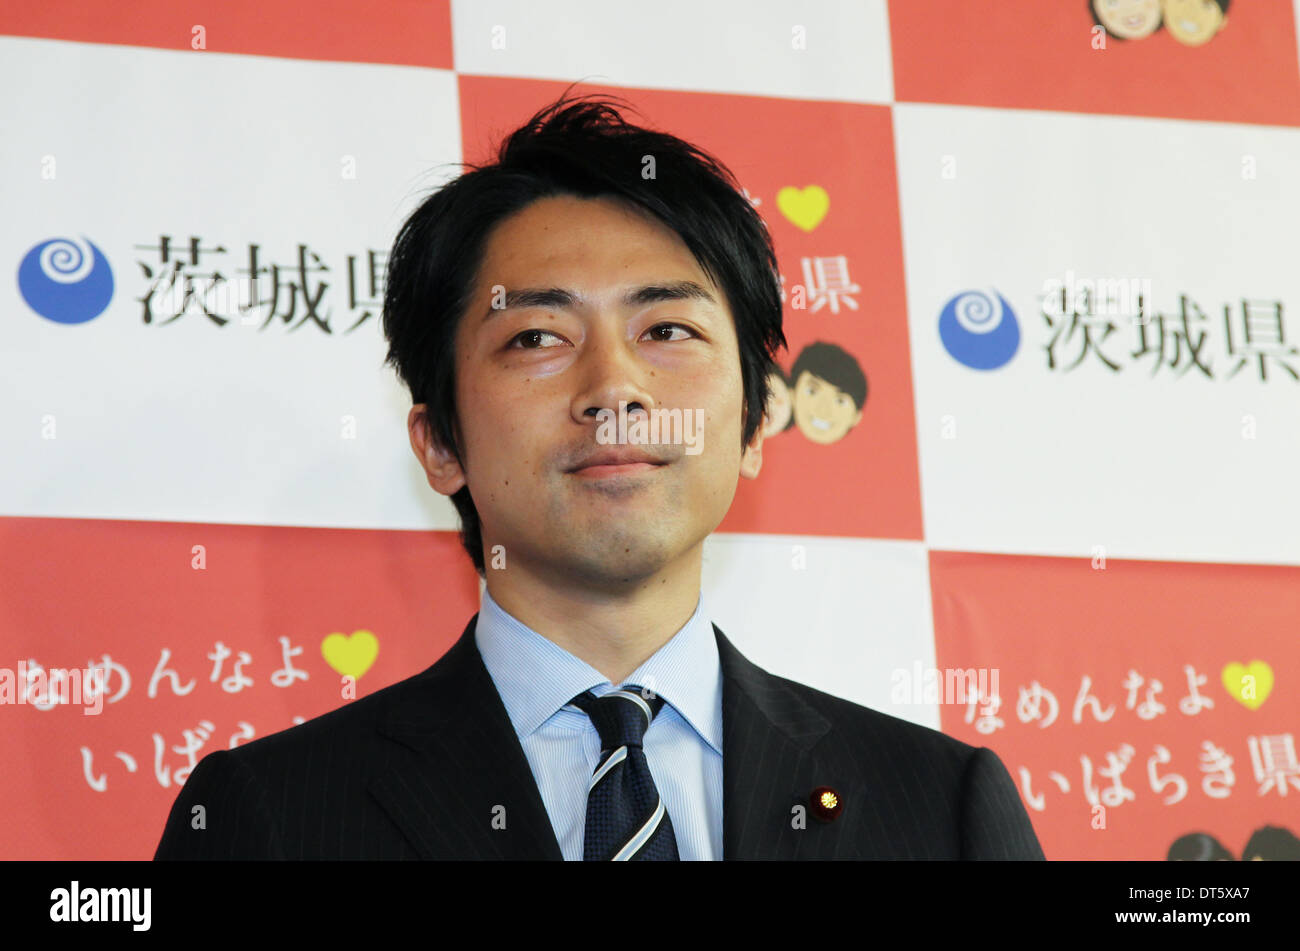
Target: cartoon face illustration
[[1194, 22], [828, 392], [779, 406], [823, 412], [1128, 19]]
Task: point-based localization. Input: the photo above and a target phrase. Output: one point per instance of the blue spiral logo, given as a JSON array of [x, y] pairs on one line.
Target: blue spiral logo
[[979, 330], [66, 280]]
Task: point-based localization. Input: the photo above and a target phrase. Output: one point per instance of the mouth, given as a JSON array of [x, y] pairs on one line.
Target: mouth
[[615, 471]]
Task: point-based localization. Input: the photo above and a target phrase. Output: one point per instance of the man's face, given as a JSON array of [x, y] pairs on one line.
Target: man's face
[[530, 380], [1129, 19]]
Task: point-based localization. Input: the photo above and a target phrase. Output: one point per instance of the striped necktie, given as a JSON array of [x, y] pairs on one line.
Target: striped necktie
[[626, 818]]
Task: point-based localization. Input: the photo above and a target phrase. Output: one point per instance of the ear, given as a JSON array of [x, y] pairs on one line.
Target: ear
[[751, 460], [440, 466]]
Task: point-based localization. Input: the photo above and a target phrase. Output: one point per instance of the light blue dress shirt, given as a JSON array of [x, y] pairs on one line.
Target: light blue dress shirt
[[683, 746]]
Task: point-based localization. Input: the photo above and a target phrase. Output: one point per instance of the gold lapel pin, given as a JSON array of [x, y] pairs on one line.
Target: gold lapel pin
[[826, 803]]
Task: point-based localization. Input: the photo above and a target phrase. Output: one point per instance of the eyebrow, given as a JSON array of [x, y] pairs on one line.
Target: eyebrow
[[636, 297]]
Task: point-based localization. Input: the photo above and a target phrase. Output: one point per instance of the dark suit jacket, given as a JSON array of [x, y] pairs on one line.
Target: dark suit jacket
[[415, 770]]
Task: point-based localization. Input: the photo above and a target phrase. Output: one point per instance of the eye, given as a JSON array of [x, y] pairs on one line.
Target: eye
[[531, 335], [662, 326]]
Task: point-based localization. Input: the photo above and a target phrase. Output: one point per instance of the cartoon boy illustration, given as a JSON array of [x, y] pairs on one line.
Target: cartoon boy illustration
[[1195, 22], [1127, 19], [828, 390], [780, 409]]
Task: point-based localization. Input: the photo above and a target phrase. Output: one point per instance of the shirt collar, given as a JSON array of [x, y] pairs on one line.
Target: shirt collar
[[536, 677]]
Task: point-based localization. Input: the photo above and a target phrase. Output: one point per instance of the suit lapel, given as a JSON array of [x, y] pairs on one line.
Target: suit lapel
[[768, 765], [461, 787]]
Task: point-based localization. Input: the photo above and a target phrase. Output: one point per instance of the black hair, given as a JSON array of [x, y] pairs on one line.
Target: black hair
[[1197, 847], [581, 147], [833, 364], [1273, 843]]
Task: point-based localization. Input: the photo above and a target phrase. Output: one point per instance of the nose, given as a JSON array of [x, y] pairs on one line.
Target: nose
[[611, 373]]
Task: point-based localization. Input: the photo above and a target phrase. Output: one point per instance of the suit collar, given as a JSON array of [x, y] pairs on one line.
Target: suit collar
[[768, 766], [459, 755], [461, 786], [782, 709]]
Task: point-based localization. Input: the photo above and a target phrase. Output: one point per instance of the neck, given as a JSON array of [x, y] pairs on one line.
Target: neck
[[613, 630]]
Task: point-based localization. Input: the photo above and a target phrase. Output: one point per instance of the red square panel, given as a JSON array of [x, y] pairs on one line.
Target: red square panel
[[400, 32], [1027, 54], [151, 601], [1168, 694]]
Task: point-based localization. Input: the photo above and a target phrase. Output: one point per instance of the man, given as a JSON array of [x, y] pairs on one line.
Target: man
[[590, 710]]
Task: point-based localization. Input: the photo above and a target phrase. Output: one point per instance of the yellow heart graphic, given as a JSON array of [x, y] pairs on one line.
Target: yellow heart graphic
[[1249, 684], [350, 655], [805, 207]]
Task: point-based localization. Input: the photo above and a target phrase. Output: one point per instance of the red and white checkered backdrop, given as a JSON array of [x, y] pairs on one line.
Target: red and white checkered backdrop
[[1062, 252]]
